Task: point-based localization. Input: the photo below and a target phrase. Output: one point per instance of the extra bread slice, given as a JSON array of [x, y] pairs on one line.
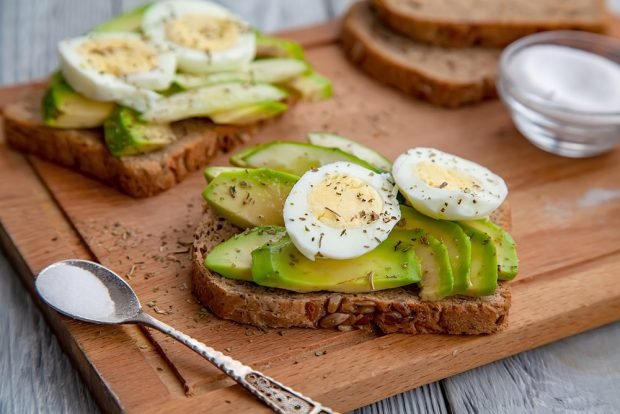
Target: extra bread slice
[[446, 77], [198, 140], [489, 23], [393, 310]]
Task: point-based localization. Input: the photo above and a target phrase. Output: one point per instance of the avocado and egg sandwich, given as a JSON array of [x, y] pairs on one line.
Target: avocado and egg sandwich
[[146, 98], [330, 234]]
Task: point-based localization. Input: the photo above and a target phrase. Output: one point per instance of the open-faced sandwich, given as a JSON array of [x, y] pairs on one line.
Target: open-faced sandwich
[[330, 234], [144, 99]]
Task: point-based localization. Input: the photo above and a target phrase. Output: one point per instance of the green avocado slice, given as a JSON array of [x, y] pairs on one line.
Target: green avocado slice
[[281, 265], [211, 172], [276, 70], [249, 114], [451, 235], [65, 108], [270, 47], [437, 281], [209, 100], [483, 272], [126, 134], [293, 157], [250, 197], [310, 87], [233, 258], [326, 139], [507, 260]]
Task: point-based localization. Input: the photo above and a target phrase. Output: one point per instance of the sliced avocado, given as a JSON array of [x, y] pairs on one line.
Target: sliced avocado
[[293, 157], [211, 172], [249, 198], [281, 265], [186, 81], [125, 134], [238, 158], [507, 260], [483, 272], [233, 258], [325, 139], [249, 114], [210, 100], [451, 235], [437, 280], [130, 21], [65, 108], [276, 70], [310, 87], [269, 46]]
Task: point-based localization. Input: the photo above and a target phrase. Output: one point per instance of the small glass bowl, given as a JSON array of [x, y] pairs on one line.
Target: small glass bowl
[[558, 129]]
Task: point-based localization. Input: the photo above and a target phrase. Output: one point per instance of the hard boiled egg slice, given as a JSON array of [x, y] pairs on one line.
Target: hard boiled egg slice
[[444, 186], [205, 36], [120, 67], [340, 211]]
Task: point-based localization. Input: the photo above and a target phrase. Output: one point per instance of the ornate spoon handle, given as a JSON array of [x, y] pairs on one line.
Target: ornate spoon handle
[[276, 396]]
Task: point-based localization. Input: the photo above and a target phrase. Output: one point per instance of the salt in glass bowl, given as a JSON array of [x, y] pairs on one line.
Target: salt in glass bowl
[[563, 91]]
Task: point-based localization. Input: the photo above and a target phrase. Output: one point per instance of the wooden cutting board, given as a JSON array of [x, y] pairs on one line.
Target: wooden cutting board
[[566, 215]]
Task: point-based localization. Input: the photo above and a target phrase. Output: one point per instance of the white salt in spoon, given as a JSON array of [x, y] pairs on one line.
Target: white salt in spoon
[[90, 292]]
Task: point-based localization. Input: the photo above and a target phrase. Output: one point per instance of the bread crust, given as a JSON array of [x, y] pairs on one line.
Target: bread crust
[[487, 33], [366, 51], [392, 310], [198, 140]]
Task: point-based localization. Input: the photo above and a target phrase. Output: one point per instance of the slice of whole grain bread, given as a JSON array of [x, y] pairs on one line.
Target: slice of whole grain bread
[[489, 23], [84, 150], [392, 310], [446, 77]]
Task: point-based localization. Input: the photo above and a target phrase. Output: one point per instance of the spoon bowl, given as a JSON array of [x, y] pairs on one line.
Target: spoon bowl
[[87, 291]]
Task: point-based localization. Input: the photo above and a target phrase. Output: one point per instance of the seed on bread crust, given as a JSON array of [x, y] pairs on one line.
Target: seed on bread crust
[[333, 320], [333, 303], [402, 309], [366, 309], [365, 303]]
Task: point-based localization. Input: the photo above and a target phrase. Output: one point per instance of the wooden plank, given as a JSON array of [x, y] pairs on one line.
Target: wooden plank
[[578, 374]]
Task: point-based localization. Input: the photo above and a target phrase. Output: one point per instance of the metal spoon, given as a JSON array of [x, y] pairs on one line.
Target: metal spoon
[[90, 292]]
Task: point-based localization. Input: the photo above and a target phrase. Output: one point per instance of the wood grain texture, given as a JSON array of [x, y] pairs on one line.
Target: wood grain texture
[[467, 396], [579, 374]]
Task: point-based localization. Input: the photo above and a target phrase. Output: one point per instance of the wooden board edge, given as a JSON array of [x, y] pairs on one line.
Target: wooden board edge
[[105, 397]]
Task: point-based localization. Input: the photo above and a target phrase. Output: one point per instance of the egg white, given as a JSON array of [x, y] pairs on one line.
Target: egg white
[[315, 238], [135, 90], [445, 202], [192, 60]]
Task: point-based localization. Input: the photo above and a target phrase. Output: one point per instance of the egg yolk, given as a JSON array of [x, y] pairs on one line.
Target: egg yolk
[[202, 32], [438, 176], [342, 201], [118, 57]]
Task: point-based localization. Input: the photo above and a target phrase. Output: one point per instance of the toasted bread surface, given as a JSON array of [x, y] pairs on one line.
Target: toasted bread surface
[[446, 77], [392, 310], [84, 150], [489, 23]]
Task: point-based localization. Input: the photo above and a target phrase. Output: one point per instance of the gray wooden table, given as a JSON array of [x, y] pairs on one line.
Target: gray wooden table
[[579, 374]]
